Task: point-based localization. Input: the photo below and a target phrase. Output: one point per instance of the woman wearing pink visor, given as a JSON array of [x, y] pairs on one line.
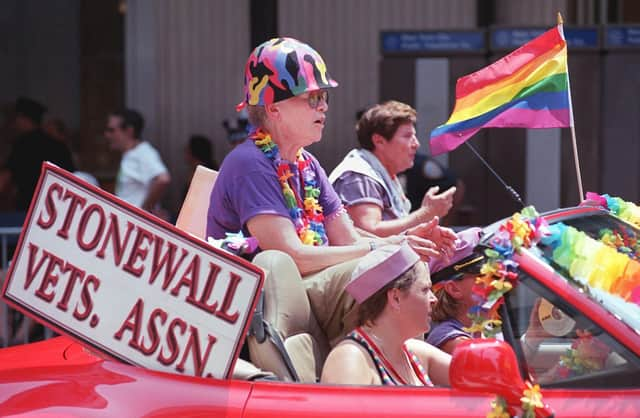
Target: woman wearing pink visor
[[393, 289]]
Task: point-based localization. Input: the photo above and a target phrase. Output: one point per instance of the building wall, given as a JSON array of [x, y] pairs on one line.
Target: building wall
[[184, 63], [532, 13], [39, 52], [347, 35]]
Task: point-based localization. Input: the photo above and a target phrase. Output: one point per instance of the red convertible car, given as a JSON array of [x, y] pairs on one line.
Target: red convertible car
[[588, 366]]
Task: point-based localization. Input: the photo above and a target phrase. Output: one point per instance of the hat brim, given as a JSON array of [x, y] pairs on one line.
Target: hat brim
[[468, 265]]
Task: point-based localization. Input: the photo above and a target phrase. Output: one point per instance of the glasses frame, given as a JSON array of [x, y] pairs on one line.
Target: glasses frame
[[315, 97]]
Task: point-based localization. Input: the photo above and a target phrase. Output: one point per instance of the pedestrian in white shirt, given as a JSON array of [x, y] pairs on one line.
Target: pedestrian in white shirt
[[142, 177]]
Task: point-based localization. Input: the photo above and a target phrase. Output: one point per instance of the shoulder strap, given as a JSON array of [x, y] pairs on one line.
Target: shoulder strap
[[385, 376], [417, 367]]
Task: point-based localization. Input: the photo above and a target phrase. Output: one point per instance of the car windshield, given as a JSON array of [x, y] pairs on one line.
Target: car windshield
[[603, 227]]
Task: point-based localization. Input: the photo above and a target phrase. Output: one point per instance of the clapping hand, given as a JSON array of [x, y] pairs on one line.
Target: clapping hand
[[438, 204], [440, 240]]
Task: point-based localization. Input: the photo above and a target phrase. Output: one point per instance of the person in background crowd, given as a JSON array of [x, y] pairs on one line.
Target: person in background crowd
[[31, 148], [199, 151], [427, 172], [237, 129], [58, 130], [366, 179], [271, 188], [142, 177], [393, 289]]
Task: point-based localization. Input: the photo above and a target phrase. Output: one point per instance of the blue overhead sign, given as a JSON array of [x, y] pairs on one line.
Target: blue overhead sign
[[513, 38], [623, 37], [433, 41]]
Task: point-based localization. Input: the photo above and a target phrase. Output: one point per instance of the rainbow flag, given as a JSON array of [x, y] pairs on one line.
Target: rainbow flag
[[529, 88]]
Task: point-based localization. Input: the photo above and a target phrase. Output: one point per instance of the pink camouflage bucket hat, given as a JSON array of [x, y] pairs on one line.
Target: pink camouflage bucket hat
[[282, 68]]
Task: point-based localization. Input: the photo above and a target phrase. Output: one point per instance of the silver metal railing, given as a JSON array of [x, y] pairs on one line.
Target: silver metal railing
[[5, 320], [7, 332]]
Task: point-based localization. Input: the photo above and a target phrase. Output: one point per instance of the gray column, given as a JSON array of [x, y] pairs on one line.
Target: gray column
[[543, 169]]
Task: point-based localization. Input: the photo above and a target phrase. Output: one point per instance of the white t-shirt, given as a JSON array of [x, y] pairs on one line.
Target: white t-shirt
[[139, 166]]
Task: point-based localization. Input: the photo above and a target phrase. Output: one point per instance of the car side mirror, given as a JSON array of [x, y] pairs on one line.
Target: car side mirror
[[489, 366]]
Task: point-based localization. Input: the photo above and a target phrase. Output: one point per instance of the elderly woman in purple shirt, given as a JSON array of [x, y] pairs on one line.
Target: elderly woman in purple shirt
[[269, 187]]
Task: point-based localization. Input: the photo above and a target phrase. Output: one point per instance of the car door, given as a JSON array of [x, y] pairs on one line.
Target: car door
[[317, 400], [582, 368]]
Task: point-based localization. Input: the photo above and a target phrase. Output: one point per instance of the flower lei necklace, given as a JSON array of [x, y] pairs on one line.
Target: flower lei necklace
[[306, 213]]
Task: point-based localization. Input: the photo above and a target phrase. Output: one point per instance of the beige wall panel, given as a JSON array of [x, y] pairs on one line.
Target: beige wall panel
[[530, 13], [204, 45], [200, 47], [585, 12], [347, 33]]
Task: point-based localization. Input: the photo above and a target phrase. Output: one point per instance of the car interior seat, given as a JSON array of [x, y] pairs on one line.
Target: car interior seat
[[285, 336], [193, 219]]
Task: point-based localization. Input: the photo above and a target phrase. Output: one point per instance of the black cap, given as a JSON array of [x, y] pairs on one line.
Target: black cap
[[30, 109], [471, 264]]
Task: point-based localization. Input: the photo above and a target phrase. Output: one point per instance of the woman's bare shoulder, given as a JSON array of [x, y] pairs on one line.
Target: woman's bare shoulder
[[348, 363]]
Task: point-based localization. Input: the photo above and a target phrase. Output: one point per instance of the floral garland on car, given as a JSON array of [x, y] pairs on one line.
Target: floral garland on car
[[498, 275], [531, 399], [608, 263], [627, 211], [595, 262], [587, 354]]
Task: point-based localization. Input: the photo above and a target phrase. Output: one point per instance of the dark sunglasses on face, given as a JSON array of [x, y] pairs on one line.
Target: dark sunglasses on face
[[315, 97]]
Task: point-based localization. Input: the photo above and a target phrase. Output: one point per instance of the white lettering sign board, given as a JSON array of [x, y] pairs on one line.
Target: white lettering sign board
[[128, 284]]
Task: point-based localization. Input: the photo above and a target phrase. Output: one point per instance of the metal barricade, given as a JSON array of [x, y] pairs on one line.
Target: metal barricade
[[5, 233]]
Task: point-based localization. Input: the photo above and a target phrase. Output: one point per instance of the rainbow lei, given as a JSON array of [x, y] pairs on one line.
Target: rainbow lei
[[306, 213]]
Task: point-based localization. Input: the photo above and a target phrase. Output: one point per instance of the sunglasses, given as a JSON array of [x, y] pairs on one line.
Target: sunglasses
[[315, 97]]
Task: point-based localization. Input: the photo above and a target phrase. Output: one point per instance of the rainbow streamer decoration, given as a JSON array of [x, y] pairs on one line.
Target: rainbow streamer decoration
[[529, 88], [627, 211], [600, 265]]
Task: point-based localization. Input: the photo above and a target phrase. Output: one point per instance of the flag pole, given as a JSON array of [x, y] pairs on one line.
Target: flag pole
[[574, 142], [575, 157]]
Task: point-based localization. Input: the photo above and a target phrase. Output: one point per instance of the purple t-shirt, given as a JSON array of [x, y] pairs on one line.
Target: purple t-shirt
[[248, 185], [446, 330]]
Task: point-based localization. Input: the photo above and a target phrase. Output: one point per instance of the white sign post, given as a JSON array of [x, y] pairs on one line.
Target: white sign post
[[128, 284]]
